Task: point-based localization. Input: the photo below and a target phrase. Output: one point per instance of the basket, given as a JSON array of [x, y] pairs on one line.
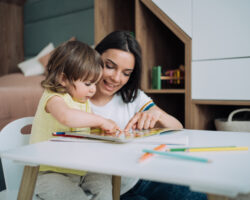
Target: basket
[[236, 125]]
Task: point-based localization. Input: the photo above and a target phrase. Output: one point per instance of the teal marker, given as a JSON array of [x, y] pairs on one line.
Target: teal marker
[[179, 156]]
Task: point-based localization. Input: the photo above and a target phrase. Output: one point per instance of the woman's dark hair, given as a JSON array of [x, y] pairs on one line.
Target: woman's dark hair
[[74, 61], [124, 40]]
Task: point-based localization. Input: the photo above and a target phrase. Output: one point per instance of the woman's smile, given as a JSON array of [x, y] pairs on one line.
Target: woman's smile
[[110, 86]]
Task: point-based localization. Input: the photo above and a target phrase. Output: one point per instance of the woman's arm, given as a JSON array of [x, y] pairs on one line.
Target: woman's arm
[[74, 118], [154, 117]]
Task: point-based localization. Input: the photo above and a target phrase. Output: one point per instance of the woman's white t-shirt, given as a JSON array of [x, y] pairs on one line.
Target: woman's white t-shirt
[[121, 113]]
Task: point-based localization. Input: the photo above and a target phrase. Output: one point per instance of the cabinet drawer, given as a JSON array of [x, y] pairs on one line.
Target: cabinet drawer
[[220, 29], [221, 79]]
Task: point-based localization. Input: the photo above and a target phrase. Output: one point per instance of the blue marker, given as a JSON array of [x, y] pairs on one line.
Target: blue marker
[[58, 133]]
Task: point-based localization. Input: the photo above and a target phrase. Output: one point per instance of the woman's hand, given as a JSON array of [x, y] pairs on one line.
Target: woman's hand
[[143, 120], [152, 118]]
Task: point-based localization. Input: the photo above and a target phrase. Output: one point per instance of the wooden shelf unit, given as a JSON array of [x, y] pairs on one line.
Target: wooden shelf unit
[[162, 42], [11, 31], [204, 112], [111, 15]]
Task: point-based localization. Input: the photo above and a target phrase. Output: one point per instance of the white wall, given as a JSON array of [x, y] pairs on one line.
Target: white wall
[[180, 11]]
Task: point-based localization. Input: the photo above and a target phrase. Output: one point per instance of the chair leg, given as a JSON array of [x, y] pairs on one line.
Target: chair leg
[[2, 181], [28, 183], [116, 182]]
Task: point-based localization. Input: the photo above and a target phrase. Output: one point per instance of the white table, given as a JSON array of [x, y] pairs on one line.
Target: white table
[[228, 174]]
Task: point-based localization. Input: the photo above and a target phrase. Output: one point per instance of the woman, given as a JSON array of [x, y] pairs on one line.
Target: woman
[[118, 98]]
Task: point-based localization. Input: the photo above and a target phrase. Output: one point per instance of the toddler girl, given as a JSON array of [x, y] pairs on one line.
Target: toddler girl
[[72, 73]]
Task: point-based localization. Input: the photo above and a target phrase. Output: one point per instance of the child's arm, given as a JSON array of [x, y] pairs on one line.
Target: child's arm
[[74, 118]]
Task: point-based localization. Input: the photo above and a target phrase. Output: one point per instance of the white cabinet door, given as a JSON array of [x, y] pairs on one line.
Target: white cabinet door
[[227, 79], [221, 29]]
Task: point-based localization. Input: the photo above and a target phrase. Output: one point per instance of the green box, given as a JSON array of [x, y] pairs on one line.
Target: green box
[[156, 77]]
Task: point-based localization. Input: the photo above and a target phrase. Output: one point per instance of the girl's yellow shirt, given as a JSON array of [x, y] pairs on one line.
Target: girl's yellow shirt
[[45, 124]]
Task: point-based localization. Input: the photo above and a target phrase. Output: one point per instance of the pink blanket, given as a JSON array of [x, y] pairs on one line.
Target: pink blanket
[[19, 96]]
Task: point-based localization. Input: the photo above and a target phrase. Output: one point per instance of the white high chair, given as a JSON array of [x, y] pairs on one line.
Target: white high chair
[[11, 137]]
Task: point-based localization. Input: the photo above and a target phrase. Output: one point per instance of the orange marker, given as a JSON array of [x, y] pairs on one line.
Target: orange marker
[[148, 155]]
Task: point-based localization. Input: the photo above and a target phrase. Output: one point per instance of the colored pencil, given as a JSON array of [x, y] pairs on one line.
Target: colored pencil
[[62, 134], [187, 148], [201, 149], [178, 156], [147, 155]]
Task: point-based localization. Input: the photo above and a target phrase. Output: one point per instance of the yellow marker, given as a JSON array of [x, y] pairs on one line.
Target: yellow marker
[[218, 149]]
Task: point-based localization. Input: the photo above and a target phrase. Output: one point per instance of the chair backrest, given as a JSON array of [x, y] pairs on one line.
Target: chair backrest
[[11, 137]]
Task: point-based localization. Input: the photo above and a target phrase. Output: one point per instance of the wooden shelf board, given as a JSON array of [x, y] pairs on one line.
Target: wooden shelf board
[[171, 78], [166, 91], [222, 102]]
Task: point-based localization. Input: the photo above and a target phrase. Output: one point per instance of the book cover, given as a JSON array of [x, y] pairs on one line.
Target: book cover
[[119, 136]]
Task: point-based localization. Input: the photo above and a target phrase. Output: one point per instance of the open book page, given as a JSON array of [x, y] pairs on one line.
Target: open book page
[[155, 135], [172, 137]]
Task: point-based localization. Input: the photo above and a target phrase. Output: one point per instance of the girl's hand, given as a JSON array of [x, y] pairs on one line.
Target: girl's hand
[[109, 126]]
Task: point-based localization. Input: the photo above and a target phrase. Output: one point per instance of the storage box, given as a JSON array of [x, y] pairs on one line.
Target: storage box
[[236, 125]]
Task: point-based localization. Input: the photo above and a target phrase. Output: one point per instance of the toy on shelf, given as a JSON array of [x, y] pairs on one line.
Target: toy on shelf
[[174, 77]]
